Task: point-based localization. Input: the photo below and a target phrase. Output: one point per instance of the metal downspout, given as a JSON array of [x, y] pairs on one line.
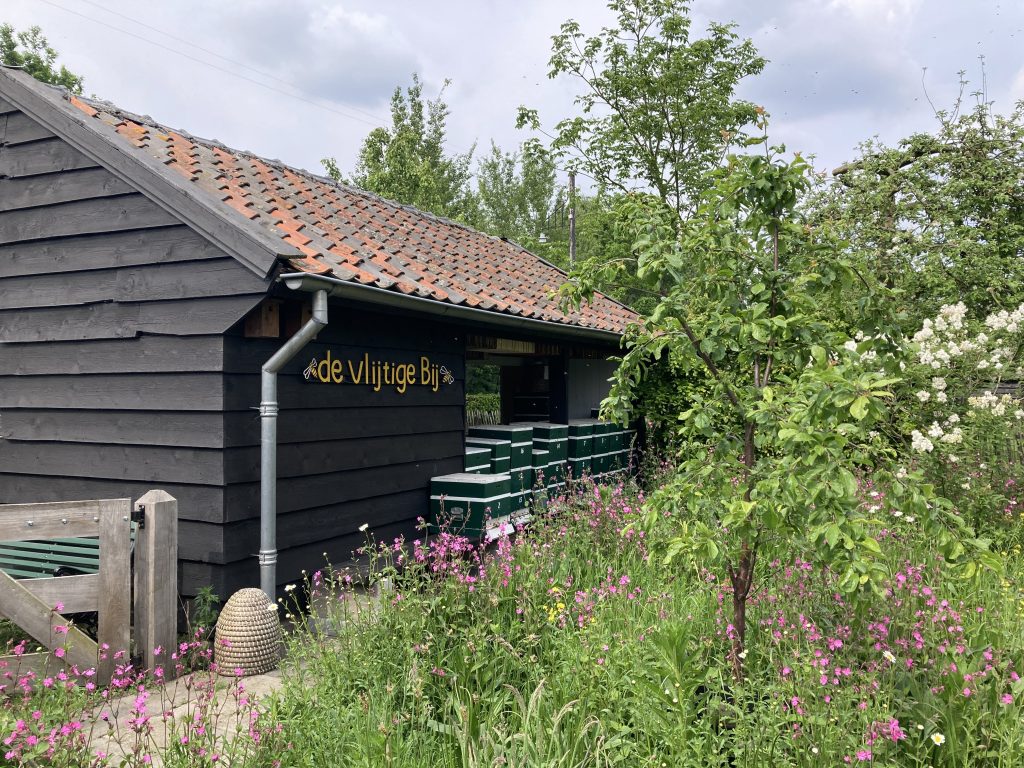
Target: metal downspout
[[268, 440]]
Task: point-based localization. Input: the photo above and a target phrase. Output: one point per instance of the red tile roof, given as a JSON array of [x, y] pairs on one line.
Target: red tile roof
[[353, 235]]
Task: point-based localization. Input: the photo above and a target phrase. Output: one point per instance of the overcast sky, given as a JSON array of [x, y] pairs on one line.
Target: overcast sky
[[303, 79]]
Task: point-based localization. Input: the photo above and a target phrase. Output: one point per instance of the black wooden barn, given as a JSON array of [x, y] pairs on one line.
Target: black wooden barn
[[146, 276]]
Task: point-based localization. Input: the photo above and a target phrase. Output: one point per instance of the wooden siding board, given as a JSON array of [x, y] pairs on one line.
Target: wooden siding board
[[181, 317], [22, 128], [242, 392], [193, 429], [36, 191], [317, 424], [324, 523], [105, 251], [6, 107], [195, 502], [143, 354], [304, 459], [184, 280], [104, 214], [155, 392], [149, 464], [241, 501], [39, 157]]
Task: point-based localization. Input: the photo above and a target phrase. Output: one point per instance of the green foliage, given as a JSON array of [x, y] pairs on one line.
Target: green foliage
[[407, 162], [770, 445], [572, 646], [655, 103], [29, 50], [516, 194], [940, 216]]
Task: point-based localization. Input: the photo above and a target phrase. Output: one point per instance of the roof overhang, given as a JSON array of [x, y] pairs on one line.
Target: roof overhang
[[369, 294], [49, 107]]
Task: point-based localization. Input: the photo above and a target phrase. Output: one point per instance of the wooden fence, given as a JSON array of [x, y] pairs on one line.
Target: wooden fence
[[32, 603]]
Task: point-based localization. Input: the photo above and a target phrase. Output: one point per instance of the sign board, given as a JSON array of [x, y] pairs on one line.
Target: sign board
[[378, 373]]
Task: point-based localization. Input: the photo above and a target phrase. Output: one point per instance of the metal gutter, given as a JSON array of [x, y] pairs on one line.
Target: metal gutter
[[268, 440], [374, 295]]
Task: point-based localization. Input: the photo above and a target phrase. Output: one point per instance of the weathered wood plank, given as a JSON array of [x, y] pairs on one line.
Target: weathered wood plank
[[156, 580], [196, 502], [307, 425], [78, 594], [106, 250], [155, 465], [148, 392], [187, 280], [6, 107], [44, 624], [181, 429], [53, 520], [22, 128], [49, 156], [114, 633], [241, 501], [41, 665], [117, 321], [303, 459], [105, 214], [327, 522], [144, 354], [242, 392], [36, 191]]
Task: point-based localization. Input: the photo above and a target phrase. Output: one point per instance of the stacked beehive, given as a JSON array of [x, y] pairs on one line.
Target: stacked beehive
[[511, 467]]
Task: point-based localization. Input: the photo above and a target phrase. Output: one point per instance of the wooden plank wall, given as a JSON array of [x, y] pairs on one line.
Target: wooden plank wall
[[347, 455], [111, 354]]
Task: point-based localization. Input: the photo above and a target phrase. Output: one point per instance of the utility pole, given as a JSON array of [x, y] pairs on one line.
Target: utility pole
[[572, 218]]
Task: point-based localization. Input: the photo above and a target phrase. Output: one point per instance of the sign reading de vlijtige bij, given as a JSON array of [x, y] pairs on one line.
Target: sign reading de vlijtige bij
[[377, 374]]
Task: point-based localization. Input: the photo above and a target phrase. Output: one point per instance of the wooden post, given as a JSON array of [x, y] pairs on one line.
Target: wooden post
[[156, 580], [115, 584]]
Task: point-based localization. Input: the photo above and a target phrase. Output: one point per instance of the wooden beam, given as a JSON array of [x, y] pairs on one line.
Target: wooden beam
[[115, 574], [264, 322], [55, 520], [41, 622], [156, 580], [78, 594]]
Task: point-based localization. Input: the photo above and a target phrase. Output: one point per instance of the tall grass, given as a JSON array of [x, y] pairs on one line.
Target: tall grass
[[575, 646]]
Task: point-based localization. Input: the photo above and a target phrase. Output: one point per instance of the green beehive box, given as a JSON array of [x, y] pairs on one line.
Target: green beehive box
[[617, 440], [557, 448], [600, 464], [540, 466], [500, 449], [463, 502], [520, 437], [500, 466], [519, 501], [581, 438], [602, 435], [555, 473], [545, 430], [478, 460], [522, 478], [579, 467]]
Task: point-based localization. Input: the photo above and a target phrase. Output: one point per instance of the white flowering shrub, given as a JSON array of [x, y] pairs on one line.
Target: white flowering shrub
[[962, 422]]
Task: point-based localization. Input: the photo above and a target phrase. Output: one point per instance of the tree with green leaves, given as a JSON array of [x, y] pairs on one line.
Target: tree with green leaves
[[517, 194], [772, 442], [30, 51], [940, 216], [658, 107], [655, 101], [408, 163]]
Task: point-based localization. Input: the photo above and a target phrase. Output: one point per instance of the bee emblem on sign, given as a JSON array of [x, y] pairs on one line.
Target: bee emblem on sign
[[310, 370], [446, 376]]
